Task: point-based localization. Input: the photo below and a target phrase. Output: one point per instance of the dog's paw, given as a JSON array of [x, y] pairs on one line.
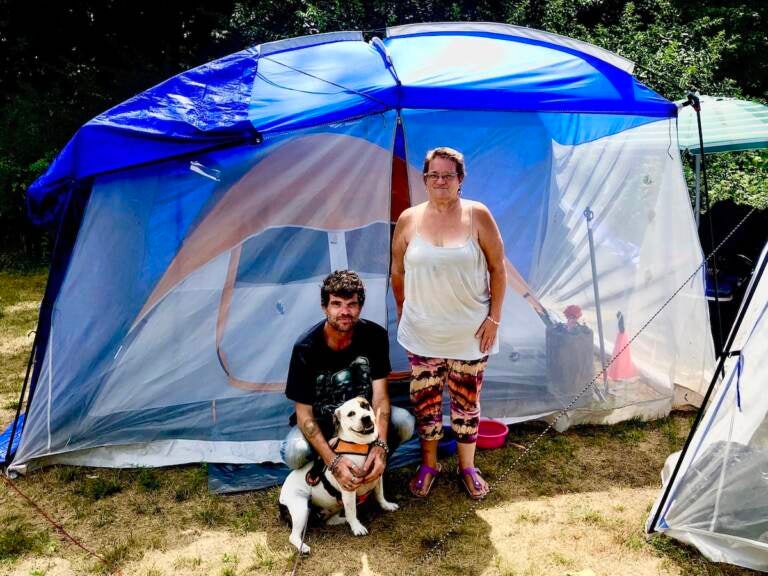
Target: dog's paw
[[358, 529], [300, 546], [389, 506]]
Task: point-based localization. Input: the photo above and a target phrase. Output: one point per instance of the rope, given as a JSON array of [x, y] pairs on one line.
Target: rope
[[60, 528], [441, 540]]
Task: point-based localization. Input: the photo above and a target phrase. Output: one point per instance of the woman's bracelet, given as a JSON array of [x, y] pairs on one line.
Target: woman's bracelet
[[494, 321]]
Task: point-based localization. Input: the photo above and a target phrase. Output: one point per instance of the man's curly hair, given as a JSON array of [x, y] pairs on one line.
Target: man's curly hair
[[344, 283]]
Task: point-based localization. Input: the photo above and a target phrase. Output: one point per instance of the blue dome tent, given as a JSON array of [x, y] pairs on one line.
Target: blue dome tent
[[197, 219]]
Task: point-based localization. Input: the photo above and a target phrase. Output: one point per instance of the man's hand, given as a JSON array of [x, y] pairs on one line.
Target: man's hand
[[347, 474], [374, 465]]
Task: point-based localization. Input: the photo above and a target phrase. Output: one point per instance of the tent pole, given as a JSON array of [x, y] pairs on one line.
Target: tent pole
[[9, 451], [589, 215], [720, 364], [697, 174]]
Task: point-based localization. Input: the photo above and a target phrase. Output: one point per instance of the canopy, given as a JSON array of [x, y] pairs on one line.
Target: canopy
[[727, 125], [297, 83]]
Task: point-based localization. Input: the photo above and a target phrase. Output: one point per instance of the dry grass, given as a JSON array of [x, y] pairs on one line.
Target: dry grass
[[20, 295], [575, 505]]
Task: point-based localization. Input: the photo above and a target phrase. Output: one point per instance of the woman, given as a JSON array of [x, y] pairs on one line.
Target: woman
[[448, 278]]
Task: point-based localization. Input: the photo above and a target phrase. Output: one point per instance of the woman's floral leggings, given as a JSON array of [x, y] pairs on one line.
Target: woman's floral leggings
[[465, 379]]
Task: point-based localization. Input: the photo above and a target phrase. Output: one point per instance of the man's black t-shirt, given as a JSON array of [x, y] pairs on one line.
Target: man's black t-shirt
[[326, 378]]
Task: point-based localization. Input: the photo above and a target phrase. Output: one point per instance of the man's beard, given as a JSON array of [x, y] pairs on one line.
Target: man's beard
[[337, 325]]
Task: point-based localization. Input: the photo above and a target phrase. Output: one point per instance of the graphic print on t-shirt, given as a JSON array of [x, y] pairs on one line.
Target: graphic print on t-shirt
[[333, 389]]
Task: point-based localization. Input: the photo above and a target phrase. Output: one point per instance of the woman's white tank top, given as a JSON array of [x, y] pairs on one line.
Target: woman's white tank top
[[447, 298]]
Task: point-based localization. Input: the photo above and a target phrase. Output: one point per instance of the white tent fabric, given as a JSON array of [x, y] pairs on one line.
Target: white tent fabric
[[719, 499]]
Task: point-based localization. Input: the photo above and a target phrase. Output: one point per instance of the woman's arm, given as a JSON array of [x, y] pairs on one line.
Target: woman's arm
[[492, 245]]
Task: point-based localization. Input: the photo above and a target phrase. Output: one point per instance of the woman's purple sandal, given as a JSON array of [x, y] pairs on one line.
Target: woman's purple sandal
[[474, 474], [419, 488]]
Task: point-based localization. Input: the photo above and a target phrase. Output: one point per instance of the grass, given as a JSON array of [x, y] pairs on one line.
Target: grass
[[19, 537], [20, 295], [164, 521]]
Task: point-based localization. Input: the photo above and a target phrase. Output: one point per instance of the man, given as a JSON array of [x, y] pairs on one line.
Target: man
[[341, 358]]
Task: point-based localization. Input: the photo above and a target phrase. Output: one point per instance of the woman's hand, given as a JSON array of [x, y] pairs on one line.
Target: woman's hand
[[487, 334]]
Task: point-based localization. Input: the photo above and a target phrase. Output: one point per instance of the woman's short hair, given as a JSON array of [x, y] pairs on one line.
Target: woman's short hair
[[344, 283], [448, 154]]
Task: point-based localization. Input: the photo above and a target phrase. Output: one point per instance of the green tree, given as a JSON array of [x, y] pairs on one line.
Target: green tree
[[62, 65]]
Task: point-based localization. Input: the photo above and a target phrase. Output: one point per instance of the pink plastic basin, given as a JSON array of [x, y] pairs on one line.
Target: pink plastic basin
[[491, 433]]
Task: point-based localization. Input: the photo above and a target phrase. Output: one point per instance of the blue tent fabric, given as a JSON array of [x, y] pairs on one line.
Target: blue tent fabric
[[441, 68], [5, 438], [293, 84]]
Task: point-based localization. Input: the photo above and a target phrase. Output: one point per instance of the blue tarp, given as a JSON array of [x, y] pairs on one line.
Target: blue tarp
[[6, 436]]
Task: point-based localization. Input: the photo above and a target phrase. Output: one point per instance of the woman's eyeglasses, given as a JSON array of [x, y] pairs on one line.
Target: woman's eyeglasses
[[435, 176]]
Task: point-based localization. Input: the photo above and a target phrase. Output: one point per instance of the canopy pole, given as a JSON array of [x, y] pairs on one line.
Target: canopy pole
[[697, 175], [695, 103], [589, 215], [751, 289]]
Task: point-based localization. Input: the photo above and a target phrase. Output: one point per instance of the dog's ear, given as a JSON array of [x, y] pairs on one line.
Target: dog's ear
[[336, 420]]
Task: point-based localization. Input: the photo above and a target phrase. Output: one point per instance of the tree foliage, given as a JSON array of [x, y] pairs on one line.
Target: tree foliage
[[63, 64]]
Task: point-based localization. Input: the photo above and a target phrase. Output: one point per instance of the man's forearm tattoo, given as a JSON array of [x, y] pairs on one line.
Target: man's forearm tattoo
[[309, 427], [385, 414]]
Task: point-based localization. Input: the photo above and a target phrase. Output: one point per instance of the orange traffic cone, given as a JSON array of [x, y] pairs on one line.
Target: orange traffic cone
[[621, 368]]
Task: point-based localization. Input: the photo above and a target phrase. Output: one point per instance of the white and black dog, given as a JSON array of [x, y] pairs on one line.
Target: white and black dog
[[356, 430]]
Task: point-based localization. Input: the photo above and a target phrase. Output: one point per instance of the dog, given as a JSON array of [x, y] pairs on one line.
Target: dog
[[355, 431]]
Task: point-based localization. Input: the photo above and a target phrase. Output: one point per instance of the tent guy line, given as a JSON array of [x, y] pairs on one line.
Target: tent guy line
[[473, 505], [59, 528]]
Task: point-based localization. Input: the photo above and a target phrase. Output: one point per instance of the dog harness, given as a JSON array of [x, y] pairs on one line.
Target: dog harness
[[316, 474]]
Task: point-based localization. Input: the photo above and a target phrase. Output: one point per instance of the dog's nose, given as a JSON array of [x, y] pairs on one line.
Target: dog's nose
[[366, 420]]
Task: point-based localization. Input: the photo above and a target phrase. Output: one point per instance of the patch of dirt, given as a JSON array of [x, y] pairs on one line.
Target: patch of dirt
[[590, 533], [47, 566], [26, 306], [15, 345], [213, 552], [202, 553]]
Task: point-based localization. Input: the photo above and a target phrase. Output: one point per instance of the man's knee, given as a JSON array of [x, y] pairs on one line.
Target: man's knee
[[402, 424], [295, 449]]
